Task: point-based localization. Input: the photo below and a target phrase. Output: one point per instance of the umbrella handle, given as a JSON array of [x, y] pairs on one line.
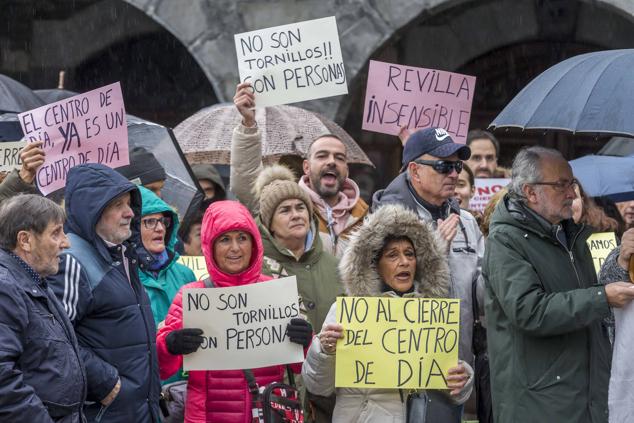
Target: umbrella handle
[[60, 82], [631, 268]]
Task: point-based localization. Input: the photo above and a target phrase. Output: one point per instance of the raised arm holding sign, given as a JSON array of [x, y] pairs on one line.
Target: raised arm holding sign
[[86, 128], [291, 63]]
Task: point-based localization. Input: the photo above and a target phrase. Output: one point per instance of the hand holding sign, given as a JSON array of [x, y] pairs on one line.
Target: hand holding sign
[[32, 157], [329, 336], [245, 103], [627, 250]]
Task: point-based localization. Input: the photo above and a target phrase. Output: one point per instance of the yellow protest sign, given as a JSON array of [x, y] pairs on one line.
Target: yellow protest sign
[[407, 343], [197, 264], [601, 244]]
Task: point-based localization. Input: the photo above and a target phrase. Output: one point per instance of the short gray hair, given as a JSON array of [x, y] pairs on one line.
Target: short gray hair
[[26, 212], [527, 168]]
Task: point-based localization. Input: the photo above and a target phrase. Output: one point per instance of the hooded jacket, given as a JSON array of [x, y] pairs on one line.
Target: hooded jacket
[[549, 354], [42, 377], [162, 285], [361, 278], [218, 396], [111, 314], [465, 254]]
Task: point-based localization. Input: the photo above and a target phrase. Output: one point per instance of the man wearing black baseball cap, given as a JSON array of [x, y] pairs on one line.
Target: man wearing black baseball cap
[[431, 164]]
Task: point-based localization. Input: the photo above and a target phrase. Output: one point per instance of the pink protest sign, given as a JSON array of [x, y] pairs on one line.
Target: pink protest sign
[[86, 128], [485, 188], [404, 96]]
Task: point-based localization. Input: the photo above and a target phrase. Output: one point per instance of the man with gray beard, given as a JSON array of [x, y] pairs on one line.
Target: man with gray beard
[[549, 354]]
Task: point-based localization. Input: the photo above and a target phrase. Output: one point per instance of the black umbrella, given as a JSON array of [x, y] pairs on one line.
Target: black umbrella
[[181, 187], [54, 94], [16, 97], [588, 94], [10, 129]]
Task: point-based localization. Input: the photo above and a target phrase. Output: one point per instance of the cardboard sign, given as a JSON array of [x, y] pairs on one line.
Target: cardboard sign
[[485, 188], [244, 326], [197, 264], [407, 343], [600, 245], [86, 128], [291, 63], [400, 96], [10, 155]]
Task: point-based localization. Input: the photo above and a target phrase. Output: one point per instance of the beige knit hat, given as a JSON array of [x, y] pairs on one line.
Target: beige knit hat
[[275, 184]]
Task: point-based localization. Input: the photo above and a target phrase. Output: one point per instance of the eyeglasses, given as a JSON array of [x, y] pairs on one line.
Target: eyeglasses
[[441, 166], [560, 186], [152, 222]]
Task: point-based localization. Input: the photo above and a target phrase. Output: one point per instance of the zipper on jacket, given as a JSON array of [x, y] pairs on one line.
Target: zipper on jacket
[[572, 257]]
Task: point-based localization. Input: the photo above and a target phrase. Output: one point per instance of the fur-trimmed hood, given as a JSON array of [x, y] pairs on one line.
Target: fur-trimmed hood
[[358, 271]]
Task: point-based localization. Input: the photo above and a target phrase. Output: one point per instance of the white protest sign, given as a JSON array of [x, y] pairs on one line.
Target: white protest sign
[[244, 327], [485, 188], [86, 128], [10, 155], [291, 63]]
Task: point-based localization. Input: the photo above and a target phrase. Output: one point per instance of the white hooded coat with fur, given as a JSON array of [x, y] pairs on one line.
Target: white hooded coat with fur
[[360, 278]]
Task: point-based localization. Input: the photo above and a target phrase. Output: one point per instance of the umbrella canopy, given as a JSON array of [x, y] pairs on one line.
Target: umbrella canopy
[[205, 137], [10, 129], [181, 188], [618, 146], [54, 94], [591, 94], [606, 176], [16, 97]]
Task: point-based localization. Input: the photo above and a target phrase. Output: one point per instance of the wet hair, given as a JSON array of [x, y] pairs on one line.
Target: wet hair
[[26, 212], [527, 168], [479, 134], [310, 146], [389, 239]]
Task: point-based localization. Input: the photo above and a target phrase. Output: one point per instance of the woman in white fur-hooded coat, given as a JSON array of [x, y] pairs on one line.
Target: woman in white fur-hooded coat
[[383, 234]]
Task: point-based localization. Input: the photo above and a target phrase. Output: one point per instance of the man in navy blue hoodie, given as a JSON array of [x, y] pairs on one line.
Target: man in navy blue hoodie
[[99, 288]]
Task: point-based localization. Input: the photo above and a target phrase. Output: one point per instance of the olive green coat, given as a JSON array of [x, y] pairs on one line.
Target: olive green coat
[[318, 280], [549, 354]]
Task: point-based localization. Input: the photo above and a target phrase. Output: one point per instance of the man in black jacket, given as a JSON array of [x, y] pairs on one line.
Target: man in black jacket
[[99, 286], [42, 378]]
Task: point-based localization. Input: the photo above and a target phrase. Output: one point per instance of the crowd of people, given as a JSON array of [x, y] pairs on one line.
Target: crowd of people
[[91, 291]]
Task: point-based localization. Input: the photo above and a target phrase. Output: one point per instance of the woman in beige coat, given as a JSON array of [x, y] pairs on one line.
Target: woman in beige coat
[[392, 254]]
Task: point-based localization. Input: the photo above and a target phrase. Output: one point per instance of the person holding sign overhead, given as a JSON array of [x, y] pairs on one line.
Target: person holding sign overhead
[[232, 247], [393, 254], [336, 198]]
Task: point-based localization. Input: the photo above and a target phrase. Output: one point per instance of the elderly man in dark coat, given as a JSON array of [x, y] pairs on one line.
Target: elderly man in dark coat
[[42, 377]]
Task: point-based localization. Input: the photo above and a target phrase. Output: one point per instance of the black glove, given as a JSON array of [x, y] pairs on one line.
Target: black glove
[[300, 332], [184, 341]]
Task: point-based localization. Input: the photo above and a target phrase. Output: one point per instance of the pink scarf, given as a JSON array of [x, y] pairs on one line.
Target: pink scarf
[[347, 198]]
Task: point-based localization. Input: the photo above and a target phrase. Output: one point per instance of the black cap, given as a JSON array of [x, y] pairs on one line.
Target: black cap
[[434, 141], [144, 168]]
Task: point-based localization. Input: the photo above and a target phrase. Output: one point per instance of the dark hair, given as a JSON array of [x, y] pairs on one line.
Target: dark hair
[[26, 212], [388, 239], [310, 146], [194, 217], [611, 211], [478, 134], [465, 167]]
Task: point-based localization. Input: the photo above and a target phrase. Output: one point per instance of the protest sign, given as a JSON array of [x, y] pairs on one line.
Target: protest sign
[[197, 264], [291, 63], [407, 343], [10, 155], [400, 96], [86, 128], [485, 188], [600, 245], [244, 327]]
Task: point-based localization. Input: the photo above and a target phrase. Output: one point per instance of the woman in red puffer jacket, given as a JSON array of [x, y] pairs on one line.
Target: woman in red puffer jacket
[[233, 252]]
